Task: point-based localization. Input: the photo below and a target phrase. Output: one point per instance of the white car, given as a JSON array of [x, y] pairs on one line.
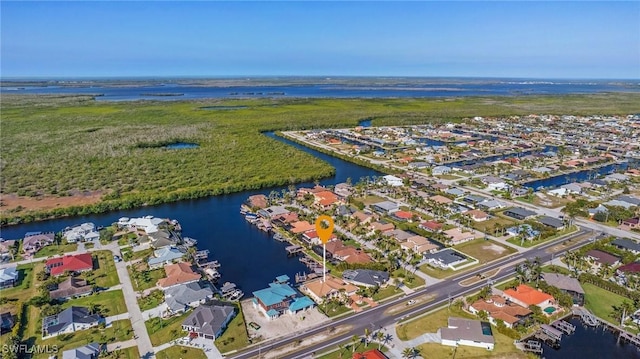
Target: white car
[[411, 302]]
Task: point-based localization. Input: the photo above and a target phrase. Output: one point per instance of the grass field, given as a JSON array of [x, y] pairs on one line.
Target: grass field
[[111, 302], [105, 274], [178, 351], [235, 336], [531, 243], [119, 331], [484, 251], [163, 331], [489, 224], [139, 280], [403, 275], [387, 292], [600, 301], [114, 149], [56, 249], [346, 350], [126, 353]]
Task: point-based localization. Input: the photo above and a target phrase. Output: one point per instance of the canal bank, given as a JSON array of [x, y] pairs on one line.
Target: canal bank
[[249, 257]]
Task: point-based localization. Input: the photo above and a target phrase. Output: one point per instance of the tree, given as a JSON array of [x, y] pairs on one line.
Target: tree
[[407, 353], [355, 339], [483, 315], [380, 338]]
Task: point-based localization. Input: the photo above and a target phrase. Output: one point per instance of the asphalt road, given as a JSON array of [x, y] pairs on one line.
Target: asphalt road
[[375, 318]]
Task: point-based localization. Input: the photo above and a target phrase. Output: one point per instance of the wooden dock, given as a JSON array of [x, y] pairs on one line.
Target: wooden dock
[[202, 254], [293, 250], [565, 327], [533, 346]]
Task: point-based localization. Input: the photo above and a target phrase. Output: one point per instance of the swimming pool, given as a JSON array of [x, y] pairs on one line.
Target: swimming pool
[[549, 310]]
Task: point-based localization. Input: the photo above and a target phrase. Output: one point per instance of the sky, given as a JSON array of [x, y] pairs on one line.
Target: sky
[[542, 39]]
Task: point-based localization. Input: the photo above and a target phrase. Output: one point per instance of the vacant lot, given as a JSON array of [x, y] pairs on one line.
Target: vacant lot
[[490, 225], [484, 251], [600, 301], [104, 274], [178, 351]]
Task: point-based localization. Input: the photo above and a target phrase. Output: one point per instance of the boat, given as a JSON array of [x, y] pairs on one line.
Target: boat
[[279, 237], [236, 295], [244, 209]]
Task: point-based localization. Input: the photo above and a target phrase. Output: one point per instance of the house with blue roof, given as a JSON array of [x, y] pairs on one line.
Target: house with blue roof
[[280, 298], [164, 256]]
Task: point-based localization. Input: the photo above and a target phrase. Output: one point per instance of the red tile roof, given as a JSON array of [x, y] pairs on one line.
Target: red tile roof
[[76, 263], [403, 214], [528, 295], [369, 354]]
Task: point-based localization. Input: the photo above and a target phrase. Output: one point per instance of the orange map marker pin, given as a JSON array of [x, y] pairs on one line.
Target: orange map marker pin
[[324, 228]]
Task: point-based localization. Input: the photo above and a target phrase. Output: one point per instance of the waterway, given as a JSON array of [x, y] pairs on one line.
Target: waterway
[[591, 343], [585, 175], [416, 88], [248, 256]]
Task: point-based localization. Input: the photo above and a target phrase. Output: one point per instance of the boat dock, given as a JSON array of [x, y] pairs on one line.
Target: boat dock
[[211, 264], [633, 339], [586, 316], [593, 321], [565, 327], [532, 346], [293, 250], [202, 254], [230, 291], [305, 277]]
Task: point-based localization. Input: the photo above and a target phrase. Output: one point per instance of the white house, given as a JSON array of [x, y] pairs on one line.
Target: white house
[[393, 180], [473, 333], [149, 224]]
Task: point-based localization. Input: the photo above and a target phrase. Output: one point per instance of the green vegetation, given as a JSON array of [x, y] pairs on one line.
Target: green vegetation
[[111, 148], [600, 301], [105, 274], [235, 336], [126, 353], [345, 350], [386, 292], [142, 278], [409, 279], [165, 330], [177, 351], [119, 331], [534, 242], [108, 303], [484, 251], [154, 299], [55, 249]]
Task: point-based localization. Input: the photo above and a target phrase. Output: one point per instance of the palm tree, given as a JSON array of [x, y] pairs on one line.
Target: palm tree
[[380, 338], [407, 353], [366, 336], [387, 338], [355, 339]]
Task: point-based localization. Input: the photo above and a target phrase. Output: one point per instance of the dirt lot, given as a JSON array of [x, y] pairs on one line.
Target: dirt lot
[[11, 201], [283, 325]]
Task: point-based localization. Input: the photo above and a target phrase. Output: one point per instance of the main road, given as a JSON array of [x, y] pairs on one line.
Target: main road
[[375, 318]]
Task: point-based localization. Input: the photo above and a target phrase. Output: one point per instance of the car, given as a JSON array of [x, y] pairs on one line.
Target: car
[[411, 302]]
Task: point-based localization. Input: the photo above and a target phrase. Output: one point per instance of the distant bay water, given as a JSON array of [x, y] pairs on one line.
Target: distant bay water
[[364, 88]]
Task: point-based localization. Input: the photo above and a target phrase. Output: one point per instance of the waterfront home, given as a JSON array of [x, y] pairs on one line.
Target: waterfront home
[[366, 277], [572, 188], [209, 320], [89, 351], [164, 256], [8, 277], [369, 354], [477, 215], [301, 227], [431, 226], [34, 241], [627, 245], [325, 199], [162, 239], [445, 259], [280, 298], [632, 201], [82, 232], [385, 207], [525, 296], [455, 192], [494, 183], [440, 170], [179, 273], [599, 258], [69, 264], [311, 237], [473, 333], [71, 288], [499, 308], [567, 285], [419, 244], [6, 248], [320, 290], [348, 254], [146, 224], [343, 191], [257, 201], [457, 236], [272, 212], [519, 213], [393, 181], [551, 222], [181, 297], [69, 320]]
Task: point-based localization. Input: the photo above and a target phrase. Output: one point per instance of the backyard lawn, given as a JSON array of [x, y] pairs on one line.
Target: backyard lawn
[[163, 331], [235, 336], [178, 351], [600, 301], [484, 251], [111, 302], [105, 274], [55, 249], [141, 278]]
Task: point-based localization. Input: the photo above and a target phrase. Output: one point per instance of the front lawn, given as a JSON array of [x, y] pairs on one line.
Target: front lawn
[[165, 330], [126, 353], [55, 249], [235, 336], [409, 279], [490, 224], [178, 351], [346, 350], [386, 292], [436, 272], [333, 309], [119, 331], [530, 243], [600, 301], [154, 299], [111, 302], [142, 278]]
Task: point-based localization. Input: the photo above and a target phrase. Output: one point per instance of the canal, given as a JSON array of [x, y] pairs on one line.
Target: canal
[[248, 256], [579, 176]]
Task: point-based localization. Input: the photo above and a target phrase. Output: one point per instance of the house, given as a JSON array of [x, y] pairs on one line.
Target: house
[[385, 207], [445, 259], [257, 201], [34, 241], [629, 269], [325, 199], [419, 244], [567, 285], [69, 320], [320, 290], [491, 205], [402, 216], [301, 227], [164, 256], [523, 230], [519, 213], [431, 226], [602, 258], [362, 218], [627, 245], [209, 320], [82, 232], [477, 215], [273, 212], [551, 222], [71, 288], [343, 190], [525, 296], [6, 248], [382, 226], [393, 181], [89, 351], [558, 192], [365, 277], [633, 201], [456, 236], [280, 298], [348, 254], [181, 297], [572, 188], [146, 224], [600, 209], [369, 354], [70, 263], [467, 332], [439, 199], [179, 273], [494, 183], [472, 200], [455, 192], [399, 235], [632, 223], [440, 170], [8, 277], [498, 308], [7, 321]]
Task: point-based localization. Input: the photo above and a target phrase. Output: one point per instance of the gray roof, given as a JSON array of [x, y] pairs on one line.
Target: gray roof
[[562, 282], [179, 296], [209, 318], [399, 234], [89, 351], [629, 199], [522, 212], [366, 276], [446, 256], [455, 191], [626, 244], [69, 316], [466, 329], [551, 222], [386, 205]]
